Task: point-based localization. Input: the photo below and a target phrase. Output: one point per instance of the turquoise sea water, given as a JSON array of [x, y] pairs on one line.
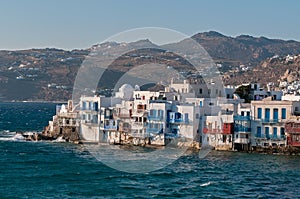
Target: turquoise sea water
[[63, 170]]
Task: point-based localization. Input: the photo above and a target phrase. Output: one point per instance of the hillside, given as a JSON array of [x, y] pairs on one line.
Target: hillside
[[274, 69], [49, 74], [244, 49]]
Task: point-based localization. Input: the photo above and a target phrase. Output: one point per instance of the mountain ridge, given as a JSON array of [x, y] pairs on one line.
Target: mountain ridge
[[49, 73]]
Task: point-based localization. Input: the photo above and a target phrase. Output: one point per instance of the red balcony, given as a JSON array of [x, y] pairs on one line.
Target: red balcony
[[292, 127], [228, 128], [293, 140]]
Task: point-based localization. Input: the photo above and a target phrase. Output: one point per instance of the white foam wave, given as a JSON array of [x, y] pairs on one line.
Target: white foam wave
[[205, 184]]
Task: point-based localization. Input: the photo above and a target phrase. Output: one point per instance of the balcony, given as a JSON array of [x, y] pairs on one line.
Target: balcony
[[68, 115], [121, 115], [153, 130], [242, 129], [155, 118], [212, 131], [294, 144], [292, 129], [140, 135], [269, 121], [242, 140], [270, 137], [138, 125], [241, 118], [68, 123], [110, 128], [178, 121], [215, 131], [139, 112], [125, 129], [87, 109]]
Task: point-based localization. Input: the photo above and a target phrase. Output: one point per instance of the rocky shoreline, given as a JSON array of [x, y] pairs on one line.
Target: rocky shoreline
[[194, 146]]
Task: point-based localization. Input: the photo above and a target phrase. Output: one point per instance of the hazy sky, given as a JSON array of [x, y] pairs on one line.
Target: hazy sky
[[72, 24]]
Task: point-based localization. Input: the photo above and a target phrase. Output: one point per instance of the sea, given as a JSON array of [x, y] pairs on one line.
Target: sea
[[64, 170]]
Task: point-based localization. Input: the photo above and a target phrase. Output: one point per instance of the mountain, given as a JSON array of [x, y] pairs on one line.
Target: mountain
[[244, 49], [49, 74], [274, 69]]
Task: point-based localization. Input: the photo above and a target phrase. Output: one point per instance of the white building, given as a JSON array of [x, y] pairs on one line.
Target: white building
[[268, 121]]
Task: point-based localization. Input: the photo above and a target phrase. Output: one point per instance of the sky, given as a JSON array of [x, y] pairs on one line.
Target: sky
[[77, 24]]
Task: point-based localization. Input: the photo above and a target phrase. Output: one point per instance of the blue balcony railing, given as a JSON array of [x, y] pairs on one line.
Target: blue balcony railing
[[242, 129], [110, 127], [241, 118], [155, 118], [266, 120], [179, 120], [153, 130]]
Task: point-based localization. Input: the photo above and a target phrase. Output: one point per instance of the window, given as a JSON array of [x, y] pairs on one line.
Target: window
[[151, 113], [200, 91], [160, 113], [242, 113], [267, 132], [283, 113], [258, 131], [259, 111], [186, 117], [171, 115], [201, 103], [281, 132], [96, 106], [197, 115], [267, 114], [224, 138], [208, 91], [274, 132], [275, 113], [248, 113], [255, 86], [177, 115]]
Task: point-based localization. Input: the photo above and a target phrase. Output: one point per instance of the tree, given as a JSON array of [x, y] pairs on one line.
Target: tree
[[244, 93]]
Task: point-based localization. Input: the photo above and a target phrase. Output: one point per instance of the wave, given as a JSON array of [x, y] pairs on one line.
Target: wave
[[7, 135], [206, 184]]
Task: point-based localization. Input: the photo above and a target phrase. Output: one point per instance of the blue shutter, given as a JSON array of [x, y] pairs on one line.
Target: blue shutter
[[283, 113], [259, 111], [267, 132], [258, 131], [274, 132], [267, 114], [275, 114]]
